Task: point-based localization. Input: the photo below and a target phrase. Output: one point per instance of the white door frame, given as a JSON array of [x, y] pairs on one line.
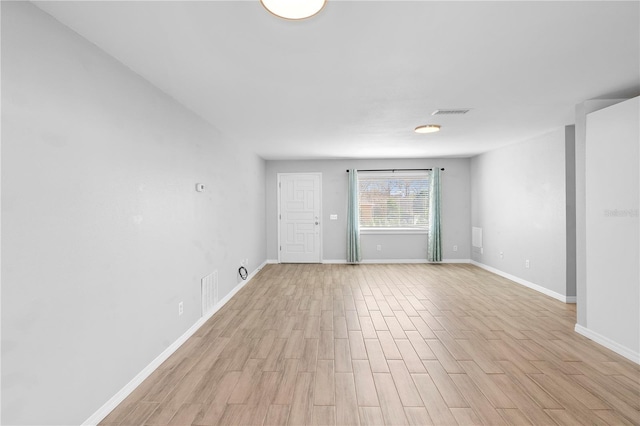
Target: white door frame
[[279, 212]]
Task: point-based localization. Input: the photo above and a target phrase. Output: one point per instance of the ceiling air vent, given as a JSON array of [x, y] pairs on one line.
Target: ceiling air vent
[[450, 111]]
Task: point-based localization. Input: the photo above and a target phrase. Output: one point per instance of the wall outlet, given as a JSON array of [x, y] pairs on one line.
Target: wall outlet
[[481, 250], [455, 248], [501, 255], [379, 247], [526, 264], [180, 308]]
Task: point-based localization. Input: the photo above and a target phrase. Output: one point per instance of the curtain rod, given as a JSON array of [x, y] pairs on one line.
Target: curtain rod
[[396, 170]]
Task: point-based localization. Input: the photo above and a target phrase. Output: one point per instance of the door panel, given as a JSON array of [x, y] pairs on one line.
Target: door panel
[[299, 217]]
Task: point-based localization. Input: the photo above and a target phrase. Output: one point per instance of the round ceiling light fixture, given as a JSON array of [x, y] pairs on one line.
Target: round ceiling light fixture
[[293, 9], [428, 128]]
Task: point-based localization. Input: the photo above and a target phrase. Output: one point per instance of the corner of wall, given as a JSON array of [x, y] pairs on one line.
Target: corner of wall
[[581, 111]]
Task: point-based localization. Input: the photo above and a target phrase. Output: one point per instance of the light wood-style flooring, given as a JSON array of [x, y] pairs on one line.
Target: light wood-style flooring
[[387, 345]]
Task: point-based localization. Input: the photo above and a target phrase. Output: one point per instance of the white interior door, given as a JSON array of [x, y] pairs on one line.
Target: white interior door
[[299, 216]]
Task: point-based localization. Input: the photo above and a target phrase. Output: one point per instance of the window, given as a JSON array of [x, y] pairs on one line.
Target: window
[[392, 202]]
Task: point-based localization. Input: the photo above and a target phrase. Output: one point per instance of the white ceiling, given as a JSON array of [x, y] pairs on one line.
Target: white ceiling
[[355, 80]]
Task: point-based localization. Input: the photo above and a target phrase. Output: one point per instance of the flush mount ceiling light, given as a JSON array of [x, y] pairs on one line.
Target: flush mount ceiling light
[[428, 128], [293, 9]]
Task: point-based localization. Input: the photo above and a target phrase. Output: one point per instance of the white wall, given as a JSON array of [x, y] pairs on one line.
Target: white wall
[[570, 200], [518, 199], [613, 229], [103, 231], [455, 209], [582, 110]]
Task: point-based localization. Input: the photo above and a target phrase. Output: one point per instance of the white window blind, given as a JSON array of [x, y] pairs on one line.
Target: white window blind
[[394, 200]]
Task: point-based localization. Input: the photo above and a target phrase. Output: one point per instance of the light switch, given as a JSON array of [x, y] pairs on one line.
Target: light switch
[[333, 217]]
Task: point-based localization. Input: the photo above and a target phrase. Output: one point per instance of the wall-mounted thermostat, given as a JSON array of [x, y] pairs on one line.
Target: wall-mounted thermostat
[[199, 187]]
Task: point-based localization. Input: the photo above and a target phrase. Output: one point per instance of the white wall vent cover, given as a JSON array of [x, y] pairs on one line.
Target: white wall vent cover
[[209, 292], [476, 237], [450, 111]]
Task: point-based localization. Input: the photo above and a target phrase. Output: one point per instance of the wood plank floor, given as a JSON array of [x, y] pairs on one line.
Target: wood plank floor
[[387, 344]]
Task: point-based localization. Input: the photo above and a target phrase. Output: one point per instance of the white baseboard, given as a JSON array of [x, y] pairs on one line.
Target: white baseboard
[[110, 405], [536, 287], [377, 261], [454, 261], [608, 343]]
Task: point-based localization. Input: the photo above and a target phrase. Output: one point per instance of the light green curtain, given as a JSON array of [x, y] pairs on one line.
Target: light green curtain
[[353, 226], [434, 253]]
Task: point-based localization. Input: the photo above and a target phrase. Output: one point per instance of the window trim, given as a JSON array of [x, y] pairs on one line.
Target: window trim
[[392, 231], [391, 175]]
